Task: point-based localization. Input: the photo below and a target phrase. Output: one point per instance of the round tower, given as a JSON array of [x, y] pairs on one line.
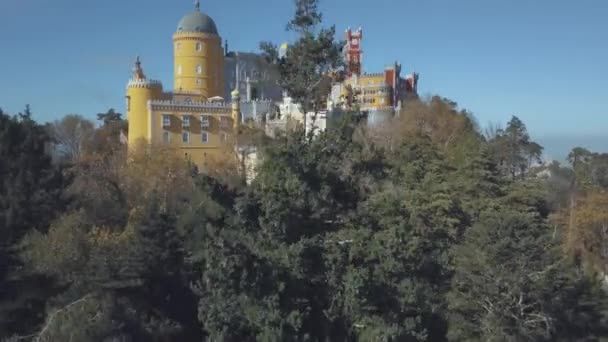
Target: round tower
[[198, 55], [139, 91]]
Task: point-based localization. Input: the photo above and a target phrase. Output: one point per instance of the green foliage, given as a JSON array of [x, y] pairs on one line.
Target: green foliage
[[30, 189], [511, 284], [303, 72], [513, 150]]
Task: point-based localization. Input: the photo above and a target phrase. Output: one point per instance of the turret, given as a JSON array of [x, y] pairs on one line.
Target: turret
[[198, 55], [140, 90]]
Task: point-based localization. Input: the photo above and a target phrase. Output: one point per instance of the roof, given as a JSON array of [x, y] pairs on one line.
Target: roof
[[197, 22]]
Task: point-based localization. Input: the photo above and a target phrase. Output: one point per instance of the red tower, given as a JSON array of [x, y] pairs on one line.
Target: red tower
[[352, 55]]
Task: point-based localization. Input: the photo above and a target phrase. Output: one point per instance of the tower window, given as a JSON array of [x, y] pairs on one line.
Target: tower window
[[186, 121], [166, 120], [179, 69], [204, 137], [204, 121], [179, 46], [199, 46], [165, 137], [199, 81], [199, 69], [223, 137], [186, 137]]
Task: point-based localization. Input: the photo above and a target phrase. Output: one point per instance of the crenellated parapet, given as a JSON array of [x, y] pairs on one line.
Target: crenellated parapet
[[144, 84], [375, 74], [191, 106]]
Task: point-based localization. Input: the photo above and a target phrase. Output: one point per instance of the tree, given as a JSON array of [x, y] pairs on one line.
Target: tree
[[72, 136], [513, 150], [109, 117], [304, 70], [511, 284], [125, 266], [30, 196]]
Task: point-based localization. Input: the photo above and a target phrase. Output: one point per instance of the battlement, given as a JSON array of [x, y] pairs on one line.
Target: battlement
[[191, 104], [375, 74], [144, 83]]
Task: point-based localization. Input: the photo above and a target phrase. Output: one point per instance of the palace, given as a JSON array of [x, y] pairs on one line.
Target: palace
[[217, 90], [201, 113], [379, 94]]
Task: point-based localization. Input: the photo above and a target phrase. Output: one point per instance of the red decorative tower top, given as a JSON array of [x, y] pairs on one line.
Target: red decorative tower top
[[353, 52]]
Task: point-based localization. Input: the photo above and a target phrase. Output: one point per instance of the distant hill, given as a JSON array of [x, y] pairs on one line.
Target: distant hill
[[557, 147]]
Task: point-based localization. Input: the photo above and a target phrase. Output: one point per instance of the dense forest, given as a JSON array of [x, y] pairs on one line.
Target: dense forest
[[425, 228]]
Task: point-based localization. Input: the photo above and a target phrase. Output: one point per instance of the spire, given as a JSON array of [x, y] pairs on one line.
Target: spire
[[235, 93], [197, 5], [138, 72]]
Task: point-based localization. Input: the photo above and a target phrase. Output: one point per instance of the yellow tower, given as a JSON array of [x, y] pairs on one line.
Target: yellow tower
[[140, 90], [198, 55]]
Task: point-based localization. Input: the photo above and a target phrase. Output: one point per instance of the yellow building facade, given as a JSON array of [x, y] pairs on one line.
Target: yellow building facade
[[193, 118]]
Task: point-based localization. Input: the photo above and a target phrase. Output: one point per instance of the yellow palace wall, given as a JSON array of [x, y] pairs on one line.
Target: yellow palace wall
[[374, 91], [197, 150]]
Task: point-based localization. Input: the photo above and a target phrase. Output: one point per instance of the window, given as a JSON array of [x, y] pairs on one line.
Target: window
[[199, 81], [204, 121], [199, 46], [186, 121], [223, 136], [166, 120], [165, 137], [128, 103], [186, 137], [204, 137], [179, 46], [199, 69], [179, 69]]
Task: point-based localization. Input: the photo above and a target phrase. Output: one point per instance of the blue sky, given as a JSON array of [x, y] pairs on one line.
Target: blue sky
[[545, 61]]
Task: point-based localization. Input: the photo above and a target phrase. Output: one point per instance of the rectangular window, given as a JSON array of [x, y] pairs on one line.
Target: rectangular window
[[186, 137], [204, 121], [204, 137], [165, 137], [223, 137], [166, 120], [186, 121]]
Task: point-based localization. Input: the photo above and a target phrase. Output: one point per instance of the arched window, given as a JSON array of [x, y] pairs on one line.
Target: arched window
[[199, 69], [199, 46], [179, 46], [179, 69]]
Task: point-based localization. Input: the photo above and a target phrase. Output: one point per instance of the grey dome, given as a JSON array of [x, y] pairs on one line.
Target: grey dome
[[197, 22]]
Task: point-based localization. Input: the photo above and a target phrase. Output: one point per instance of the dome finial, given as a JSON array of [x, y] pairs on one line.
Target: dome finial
[[197, 5]]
